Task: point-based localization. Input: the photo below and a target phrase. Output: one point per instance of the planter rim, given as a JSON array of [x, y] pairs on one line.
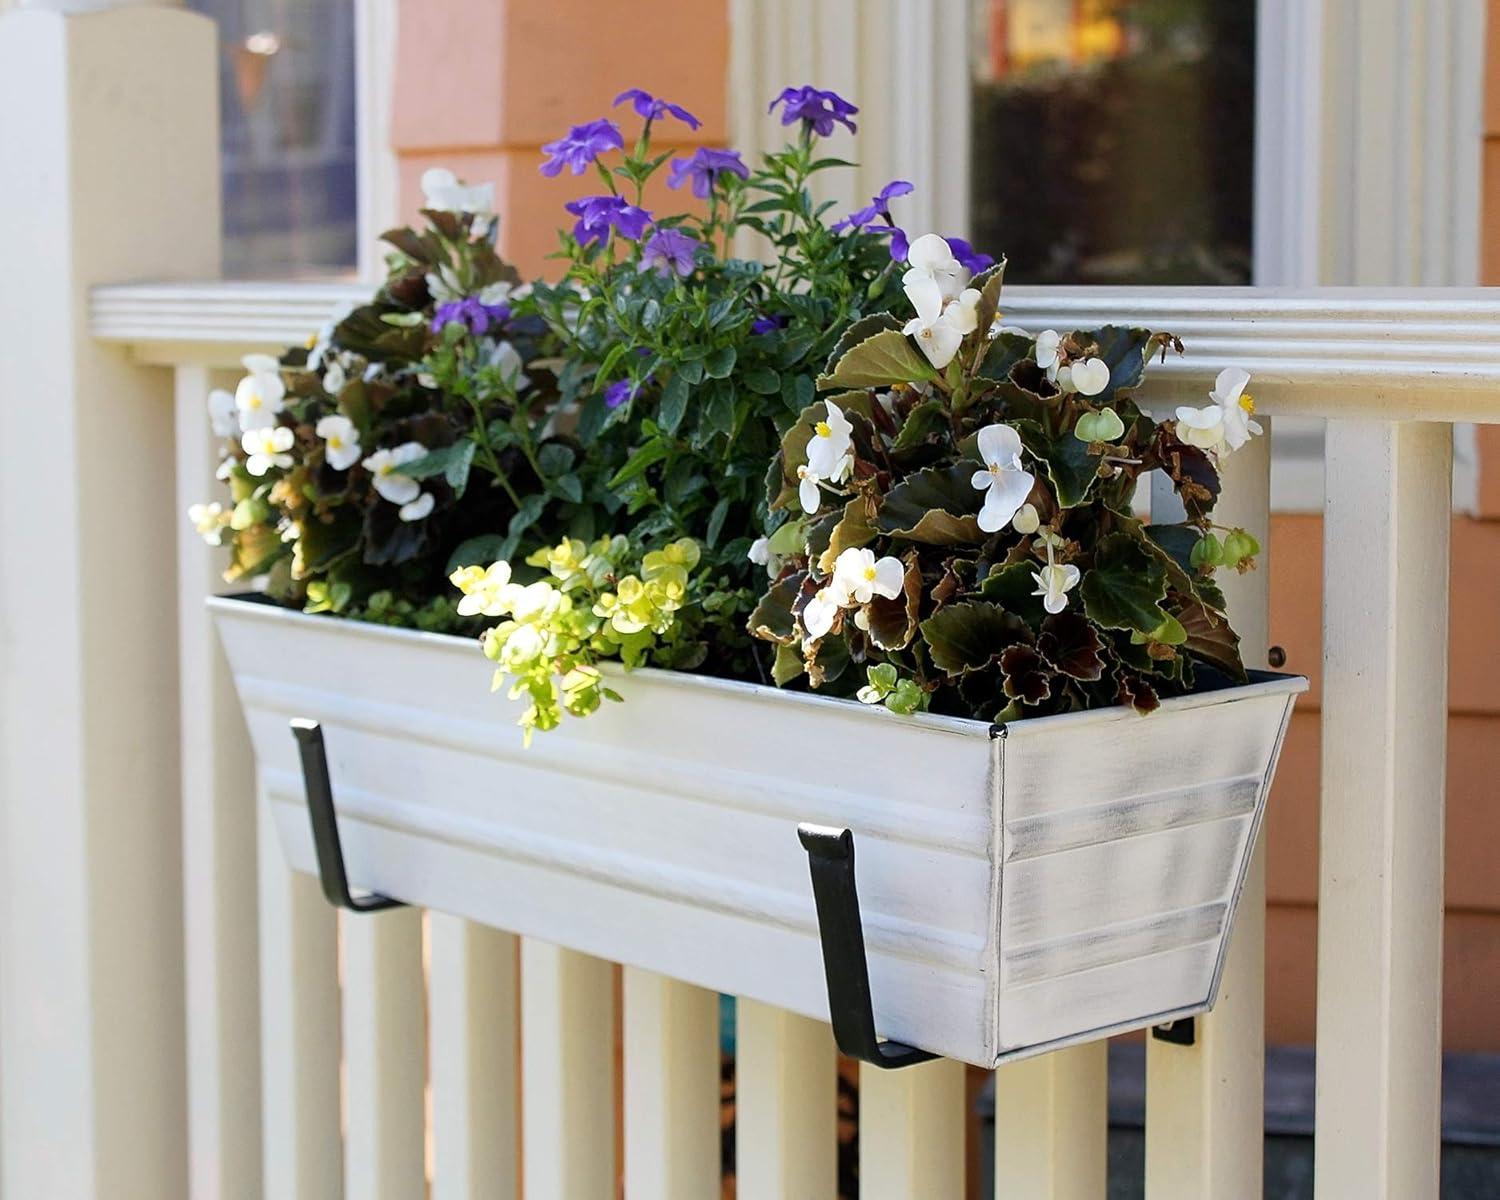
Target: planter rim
[[1262, 683]]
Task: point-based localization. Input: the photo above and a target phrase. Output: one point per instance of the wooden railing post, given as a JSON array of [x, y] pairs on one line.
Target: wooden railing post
[[109, 145]]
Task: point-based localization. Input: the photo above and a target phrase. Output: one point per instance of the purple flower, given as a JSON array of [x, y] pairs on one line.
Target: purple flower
[[879, 206], [470, 312], [583, 144], [900, 246], [619, 392], [670, 250], [652, 109], [597, 215], [704, 169], [767, 324], [816, 109], [967, 255]]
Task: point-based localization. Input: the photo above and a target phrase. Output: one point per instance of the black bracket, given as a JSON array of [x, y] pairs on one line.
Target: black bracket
[[1181, 1032], [325, 826], [830, 857]]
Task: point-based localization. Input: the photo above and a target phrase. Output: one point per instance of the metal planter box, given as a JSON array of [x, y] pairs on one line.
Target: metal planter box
[[1063, 879]]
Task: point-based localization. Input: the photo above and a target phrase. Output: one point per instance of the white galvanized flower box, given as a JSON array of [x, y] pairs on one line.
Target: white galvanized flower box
[[1062, 879]]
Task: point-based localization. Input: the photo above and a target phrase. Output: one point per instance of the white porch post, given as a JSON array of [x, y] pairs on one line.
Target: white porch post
[[108, 136]]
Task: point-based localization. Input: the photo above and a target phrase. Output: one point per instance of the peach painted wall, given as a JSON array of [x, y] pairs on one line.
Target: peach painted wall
[[482, 84]]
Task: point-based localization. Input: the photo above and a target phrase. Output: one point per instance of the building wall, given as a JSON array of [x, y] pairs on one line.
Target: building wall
[[481, 84]]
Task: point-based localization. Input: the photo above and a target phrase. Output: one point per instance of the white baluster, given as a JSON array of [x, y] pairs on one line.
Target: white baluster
[[1051, 1125], [1380, 898], [672, 1136], [567, 1064], [1205, 1102], [911, 1131], [385, 1069], [786, 1105], [474, 1015]]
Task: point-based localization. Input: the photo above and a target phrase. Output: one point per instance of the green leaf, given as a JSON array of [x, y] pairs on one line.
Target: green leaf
[[647, 456], [970, 635], [787, 665], [762, 380], [452, 462], [481, 551], [716, 522], [882, 360], [674, 398], [691, 369], [1012, 586], [1125, 586], [772, 617], [927, 422], [1070, 467], [570, 487], [1124, 349], [853, 530], [1102, 426], [1004, 353], [555, 458], [937, 506], [865, 327], [527, 515], [1209, 637], [720, 362]]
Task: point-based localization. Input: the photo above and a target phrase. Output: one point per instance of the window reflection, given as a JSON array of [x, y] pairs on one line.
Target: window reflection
[[286, 94], [1112, 139]]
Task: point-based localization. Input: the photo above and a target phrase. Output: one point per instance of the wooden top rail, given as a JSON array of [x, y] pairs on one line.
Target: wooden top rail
[[1428, 354]]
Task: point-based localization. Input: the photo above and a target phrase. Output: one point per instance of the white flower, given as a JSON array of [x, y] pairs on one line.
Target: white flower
[[389, 482], [1063, 377], [1054, 582], [930, 257], [1091, 376], [1026, 519], [1004, 483], [938, 337], [963, 313], [1047, 351], [222, 413], [334, 378], [508, 359], [859, 577], [807, 487], [760, 552], [267, 448], [441, 190], [818, 614], [829, 443], [418, 508], [486, 592], [260, 394], [500, 292], [208, 520], [340, 441], [1239, 409], [1202, 427]]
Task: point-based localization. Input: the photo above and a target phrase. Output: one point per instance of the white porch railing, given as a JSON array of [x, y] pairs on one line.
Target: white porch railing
[[1390, 371]]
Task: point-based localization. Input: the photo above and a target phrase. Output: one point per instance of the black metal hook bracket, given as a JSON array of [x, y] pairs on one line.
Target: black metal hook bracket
[[325, 827], [1181, 1032], [830, 858]]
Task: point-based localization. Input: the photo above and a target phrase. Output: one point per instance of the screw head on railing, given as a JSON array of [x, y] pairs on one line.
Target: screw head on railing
[[1276, 656]]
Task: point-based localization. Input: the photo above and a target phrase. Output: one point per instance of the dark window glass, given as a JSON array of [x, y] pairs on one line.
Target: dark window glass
[[286, 94], [1112, 139]]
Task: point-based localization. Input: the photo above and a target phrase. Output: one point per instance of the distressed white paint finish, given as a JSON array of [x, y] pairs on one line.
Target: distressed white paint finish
[[785, 1104], [473, 1010], [385, 1067], [567, 1064], [1380, 897], [1051, 1125], [1205, 1102], [218, 840], [1098, 929], [92, 988], [911, 1131], [299, 1029], [672, 1135]]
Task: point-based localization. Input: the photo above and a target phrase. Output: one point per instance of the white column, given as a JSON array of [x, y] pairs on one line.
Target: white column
[[473, 1018], [1205, 1103], [568, 1073], [672, 1135], [911, 1131], [385, 1069], [218, 847], [1380, 895], [108, 139], [785, 1105], [1052, 1125]]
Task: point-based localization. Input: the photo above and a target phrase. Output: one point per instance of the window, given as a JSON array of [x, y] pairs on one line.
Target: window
[[1112, 139], [287, 103]]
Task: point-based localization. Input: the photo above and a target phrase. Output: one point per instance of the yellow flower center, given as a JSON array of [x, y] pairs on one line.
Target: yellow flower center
[[870, 573], [335, 442], [312, 340], [254, 400], [386, 468], [1247, 403], [995, 469], [822, 429]]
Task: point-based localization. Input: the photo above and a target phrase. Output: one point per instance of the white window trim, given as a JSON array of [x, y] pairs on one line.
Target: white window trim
[[378, 179]]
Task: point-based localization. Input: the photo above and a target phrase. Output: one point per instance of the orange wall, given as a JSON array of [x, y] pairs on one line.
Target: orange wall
[[482, 84]]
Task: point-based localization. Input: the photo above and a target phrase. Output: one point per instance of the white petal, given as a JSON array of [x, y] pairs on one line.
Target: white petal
[[1230, 383], [418, 508], [807, 493], [930, 252], [999, 445], [940, 342], [1026, 520], [1046, 348], [981, 480], [817, 616], [890, 574], [1004, 499], [398, 489], [760, 551], [261, 364], [1091, 376], [925, 296]]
